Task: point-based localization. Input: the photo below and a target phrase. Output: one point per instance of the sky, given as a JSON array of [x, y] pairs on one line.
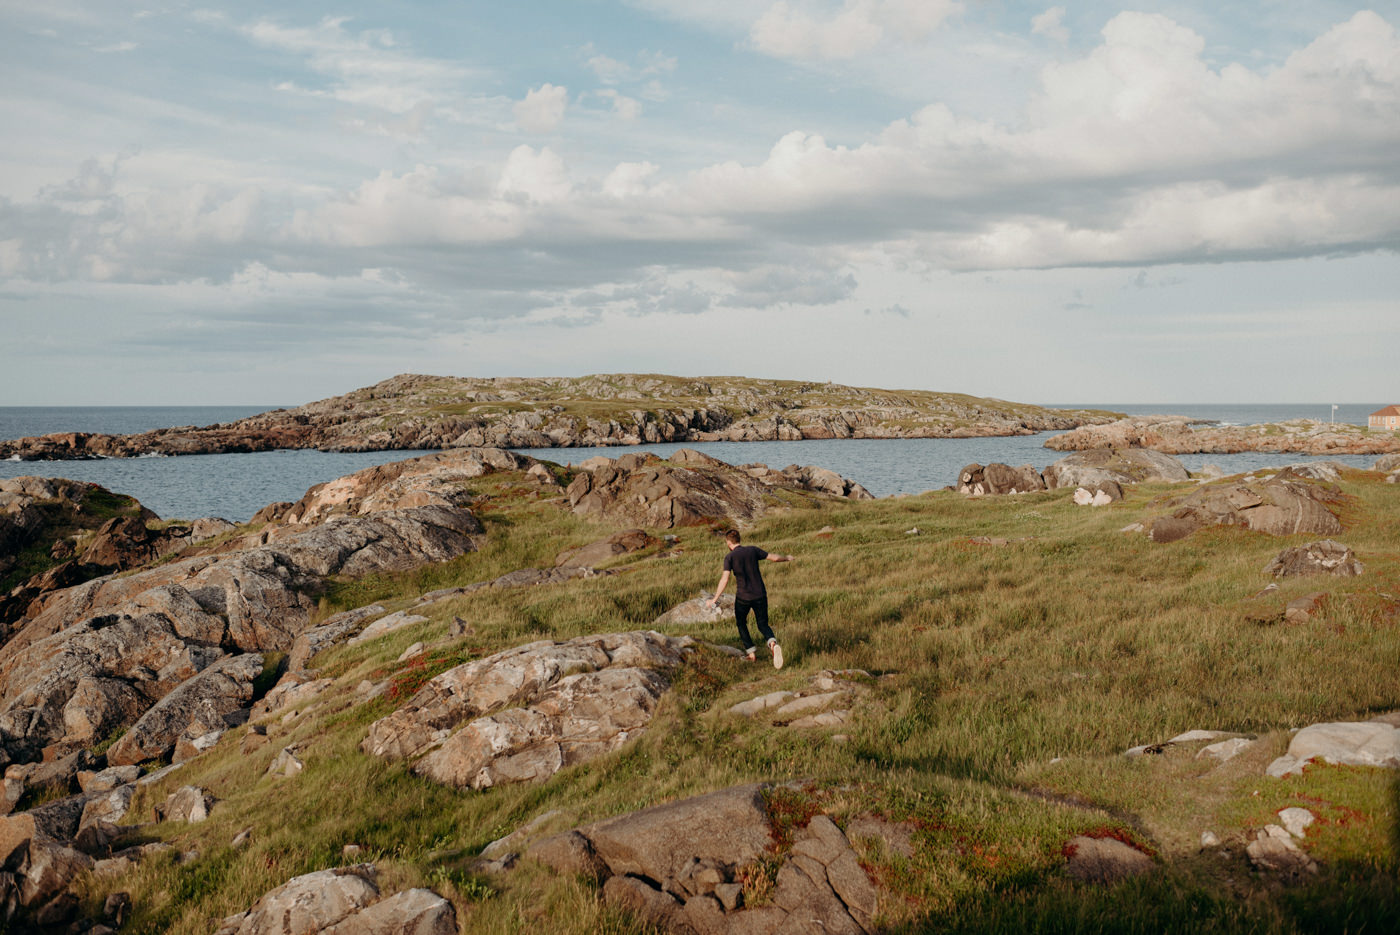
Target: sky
[[266, 204]]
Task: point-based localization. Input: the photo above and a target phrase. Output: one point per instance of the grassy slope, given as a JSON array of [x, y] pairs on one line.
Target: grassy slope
[[1021, 673]]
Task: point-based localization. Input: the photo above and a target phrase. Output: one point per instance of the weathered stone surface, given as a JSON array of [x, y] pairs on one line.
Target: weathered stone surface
[[1387, 463], [1104, 860], [975, 480], [595, 553], [188, 804], [1316, 558], [92, 658], [513, 677], [334, 630], [1357, 743], [110, 806], [697, 610], [1181, 435], [649, 492], [208, 699], [580, 718], [1117, 464], [386, 625], [1283, 505], [310, 903], [411, 912]]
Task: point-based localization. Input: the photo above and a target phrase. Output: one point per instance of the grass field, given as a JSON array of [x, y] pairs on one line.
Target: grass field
[[1007, 682]]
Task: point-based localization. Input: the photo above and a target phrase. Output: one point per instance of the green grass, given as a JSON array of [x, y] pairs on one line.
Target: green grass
[[1007, 682]]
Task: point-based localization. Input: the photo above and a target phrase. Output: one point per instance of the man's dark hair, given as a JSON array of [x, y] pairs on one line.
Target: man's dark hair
[[732, 536]]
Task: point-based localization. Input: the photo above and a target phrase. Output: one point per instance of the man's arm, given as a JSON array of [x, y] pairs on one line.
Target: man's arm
[[719, 589], [780, 558]]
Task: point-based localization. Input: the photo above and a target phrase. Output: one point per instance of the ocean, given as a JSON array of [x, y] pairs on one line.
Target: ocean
[[235, 486]]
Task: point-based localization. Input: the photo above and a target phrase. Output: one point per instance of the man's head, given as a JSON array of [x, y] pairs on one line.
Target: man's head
[[732, 538]]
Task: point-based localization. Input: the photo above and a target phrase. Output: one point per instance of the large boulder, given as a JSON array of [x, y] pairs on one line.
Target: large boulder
[[1356, 743], [1283, 505], [643, 490], [1387, 463], [564, 707], [679, 866], [1121, 465], [996, 478], [343, 901]]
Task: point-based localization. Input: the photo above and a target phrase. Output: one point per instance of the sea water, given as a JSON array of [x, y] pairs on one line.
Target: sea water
[[235, 486]]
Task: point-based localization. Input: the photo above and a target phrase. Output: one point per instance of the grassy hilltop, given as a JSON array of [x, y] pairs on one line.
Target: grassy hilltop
[[1007, 680]]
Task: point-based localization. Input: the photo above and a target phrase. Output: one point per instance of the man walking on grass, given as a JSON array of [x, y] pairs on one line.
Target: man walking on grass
[[750, 594]]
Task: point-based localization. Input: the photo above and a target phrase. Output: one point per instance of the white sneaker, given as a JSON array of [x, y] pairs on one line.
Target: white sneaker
[[777, 654]]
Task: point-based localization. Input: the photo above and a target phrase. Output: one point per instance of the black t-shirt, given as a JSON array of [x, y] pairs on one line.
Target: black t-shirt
[[743, 561]]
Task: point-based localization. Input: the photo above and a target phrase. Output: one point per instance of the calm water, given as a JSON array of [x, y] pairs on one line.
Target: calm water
[[236, 486]]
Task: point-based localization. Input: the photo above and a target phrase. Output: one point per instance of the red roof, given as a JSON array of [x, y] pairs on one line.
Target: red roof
[[1387, 411]]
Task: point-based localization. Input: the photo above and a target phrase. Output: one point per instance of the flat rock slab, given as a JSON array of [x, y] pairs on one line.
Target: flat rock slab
[[1357, 743], [525, 713]]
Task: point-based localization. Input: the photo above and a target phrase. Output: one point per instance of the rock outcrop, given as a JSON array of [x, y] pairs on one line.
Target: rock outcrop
[[425, 412], [1284, 504], [523, 714], [55, 533], [690, 489], [1178, 435], [680, 866], [95, 658]]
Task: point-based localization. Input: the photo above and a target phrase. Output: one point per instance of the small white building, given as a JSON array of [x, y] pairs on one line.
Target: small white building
[[1387, 418]]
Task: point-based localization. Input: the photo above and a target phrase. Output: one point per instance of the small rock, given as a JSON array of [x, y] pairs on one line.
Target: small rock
[[1296, 820], [1225, 749], [415, 650], [286, 763], [242, 839], [1273, 850], [1209, 839]]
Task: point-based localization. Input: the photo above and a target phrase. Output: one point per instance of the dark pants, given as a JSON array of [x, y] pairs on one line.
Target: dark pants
[[760, 616]]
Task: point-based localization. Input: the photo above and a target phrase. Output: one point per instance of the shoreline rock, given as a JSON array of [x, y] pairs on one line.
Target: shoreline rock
[[1180, 436]]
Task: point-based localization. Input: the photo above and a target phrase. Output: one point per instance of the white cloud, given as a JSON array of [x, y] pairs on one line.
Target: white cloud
[[1051, 24], [367, 68], [627, 108], [543, 109], [798, 29]]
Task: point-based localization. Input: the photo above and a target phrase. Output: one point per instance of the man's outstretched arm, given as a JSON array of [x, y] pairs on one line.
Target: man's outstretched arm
[[719, 589], [780, 558]]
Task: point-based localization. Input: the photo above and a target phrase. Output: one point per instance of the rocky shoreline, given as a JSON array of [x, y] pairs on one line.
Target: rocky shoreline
[[413, 412], [1179, 435]]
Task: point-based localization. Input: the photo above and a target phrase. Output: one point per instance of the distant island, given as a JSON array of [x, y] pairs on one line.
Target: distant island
[[412, 412]]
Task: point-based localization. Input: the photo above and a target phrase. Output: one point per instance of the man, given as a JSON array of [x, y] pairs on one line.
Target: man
[[750, 594]]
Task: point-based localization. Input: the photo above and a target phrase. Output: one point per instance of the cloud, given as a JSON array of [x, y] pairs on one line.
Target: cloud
[[627, 108], [795, 29], [367, 68], [1137, 153], [1051, 24], [543, 109]]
